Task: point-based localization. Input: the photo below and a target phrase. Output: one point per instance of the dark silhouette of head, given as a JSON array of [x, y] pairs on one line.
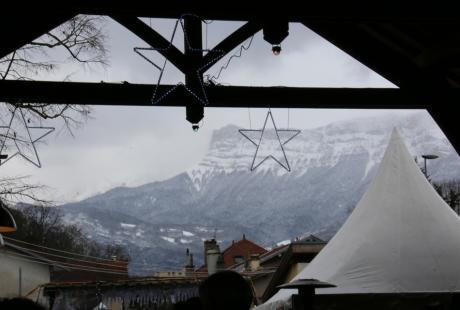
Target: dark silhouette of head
[[225, 290], [19, 303], [190, 304]]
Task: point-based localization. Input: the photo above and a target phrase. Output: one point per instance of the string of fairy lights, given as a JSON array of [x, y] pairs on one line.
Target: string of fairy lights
[[156, 96]]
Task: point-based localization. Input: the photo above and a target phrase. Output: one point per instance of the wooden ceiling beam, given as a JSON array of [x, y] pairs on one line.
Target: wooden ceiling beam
[[20, 28], [439, 104], [358, 41], [219, 96]]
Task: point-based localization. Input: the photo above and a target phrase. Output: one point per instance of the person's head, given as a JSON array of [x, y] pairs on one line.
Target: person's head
[[225, 290], [190, 304], [19, 303]]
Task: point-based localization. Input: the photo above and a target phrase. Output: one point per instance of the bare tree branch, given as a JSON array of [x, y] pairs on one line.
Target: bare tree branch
[[83, 40], [16, 189]]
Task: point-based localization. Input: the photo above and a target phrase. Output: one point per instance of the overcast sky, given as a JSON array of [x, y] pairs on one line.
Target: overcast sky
[[132, 146]]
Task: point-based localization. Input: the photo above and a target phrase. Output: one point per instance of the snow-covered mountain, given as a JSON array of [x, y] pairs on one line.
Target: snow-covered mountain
[[331, 168]]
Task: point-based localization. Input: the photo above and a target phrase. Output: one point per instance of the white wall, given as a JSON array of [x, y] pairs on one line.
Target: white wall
[[33, 274]]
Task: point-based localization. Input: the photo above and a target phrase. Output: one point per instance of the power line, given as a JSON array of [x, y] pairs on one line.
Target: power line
[[68, 257], [89, 268], [56, 250], [70, 266], [71, 253]]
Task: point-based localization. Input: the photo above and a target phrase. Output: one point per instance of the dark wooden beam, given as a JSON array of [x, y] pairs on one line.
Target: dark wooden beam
[[439, 104], [232, 41], [154, 39], [219, 96], [358, 41], [193, 51], [193, 47], [20, 28], [294, 10]]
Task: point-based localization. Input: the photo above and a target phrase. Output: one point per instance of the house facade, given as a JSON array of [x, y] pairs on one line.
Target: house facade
[[22, 272], [264, 269]]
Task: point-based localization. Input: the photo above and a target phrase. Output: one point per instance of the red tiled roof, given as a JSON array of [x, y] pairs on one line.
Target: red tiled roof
[[243, 248]]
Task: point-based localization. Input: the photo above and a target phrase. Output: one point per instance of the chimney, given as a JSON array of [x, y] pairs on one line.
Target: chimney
[[189, 266], [212, 257], [254, 262], [209, 245]]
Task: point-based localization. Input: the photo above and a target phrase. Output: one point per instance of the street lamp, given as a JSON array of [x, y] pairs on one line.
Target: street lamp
[[425, 157], [304, 300]]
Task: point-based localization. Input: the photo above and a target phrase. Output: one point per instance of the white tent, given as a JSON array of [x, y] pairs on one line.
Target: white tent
[[401, 237]]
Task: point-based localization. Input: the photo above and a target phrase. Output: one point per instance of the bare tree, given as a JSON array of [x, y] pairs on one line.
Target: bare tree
[[45, 226], [83, 41], [14, 189], [450, 192]]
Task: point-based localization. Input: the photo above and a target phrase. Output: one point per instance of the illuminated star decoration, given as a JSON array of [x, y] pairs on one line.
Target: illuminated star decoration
[[24, 143], [282, 137], [201, 97]]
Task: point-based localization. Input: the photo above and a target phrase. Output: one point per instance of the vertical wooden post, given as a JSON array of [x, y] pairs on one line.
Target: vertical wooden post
[[193, 50]]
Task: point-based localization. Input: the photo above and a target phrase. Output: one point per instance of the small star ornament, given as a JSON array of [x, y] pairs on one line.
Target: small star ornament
[[269, 141], [196, 89], [18, 135]]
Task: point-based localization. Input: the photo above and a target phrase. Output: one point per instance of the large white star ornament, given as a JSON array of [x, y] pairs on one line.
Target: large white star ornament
[[198, 91], [267, 148], [18, 136]]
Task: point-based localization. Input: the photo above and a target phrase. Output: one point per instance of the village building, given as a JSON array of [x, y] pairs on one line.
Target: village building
[[23, 272], [279, 265], [264, 269], [238, 252], [296, 257]]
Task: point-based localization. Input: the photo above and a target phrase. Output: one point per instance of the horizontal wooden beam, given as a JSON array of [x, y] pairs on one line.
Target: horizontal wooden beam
[[359, 42], [18, 28], [294, 11], [439, 104], [219, 96]]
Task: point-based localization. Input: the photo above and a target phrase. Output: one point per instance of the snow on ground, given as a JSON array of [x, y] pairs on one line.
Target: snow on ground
[[284, 242], [126, 225], [187, 233], [172, 240]]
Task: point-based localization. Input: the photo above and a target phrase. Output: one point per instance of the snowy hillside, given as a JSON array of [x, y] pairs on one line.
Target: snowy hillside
[[331, 167]]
